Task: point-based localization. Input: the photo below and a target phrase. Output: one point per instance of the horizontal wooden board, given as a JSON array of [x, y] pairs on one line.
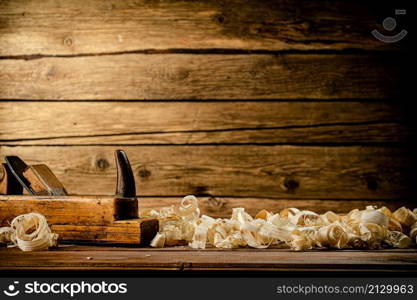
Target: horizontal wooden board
[[341, 172], [184, 259], [201, 122], [194, 76], [221, 207], [97, 26]]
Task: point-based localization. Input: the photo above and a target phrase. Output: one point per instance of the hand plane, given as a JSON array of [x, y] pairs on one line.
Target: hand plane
[[84, 218]]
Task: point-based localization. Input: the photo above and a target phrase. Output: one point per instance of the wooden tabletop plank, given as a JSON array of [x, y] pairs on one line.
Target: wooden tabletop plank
[[184, 259], [202, 122], [205, 77], [96, 26]]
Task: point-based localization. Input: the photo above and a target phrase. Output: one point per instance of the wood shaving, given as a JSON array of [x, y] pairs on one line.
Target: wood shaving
[[30, 232], [405, 216], [394, 225], [371, 228], [398, 239], [6, 235], [375, 217], [413, 232], [332, 235], [306, 217]]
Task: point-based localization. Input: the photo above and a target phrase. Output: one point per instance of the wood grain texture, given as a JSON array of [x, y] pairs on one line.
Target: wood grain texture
[[94, 210], [87, 218], [135, 232], [184, 259], [97, 26], [192, 76], [286, 56], [29, 123], [353, 172]]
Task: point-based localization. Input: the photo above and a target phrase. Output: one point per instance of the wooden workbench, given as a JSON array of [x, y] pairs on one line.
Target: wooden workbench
[[180, 259]]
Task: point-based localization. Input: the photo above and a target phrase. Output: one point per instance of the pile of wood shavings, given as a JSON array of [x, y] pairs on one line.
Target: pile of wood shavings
[[371, 228]]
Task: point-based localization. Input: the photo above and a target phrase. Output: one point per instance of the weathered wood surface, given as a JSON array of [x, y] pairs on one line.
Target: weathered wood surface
[[276, 61], [184, 259], [30, 123], [210, 76], [341, 172], [96, 26]]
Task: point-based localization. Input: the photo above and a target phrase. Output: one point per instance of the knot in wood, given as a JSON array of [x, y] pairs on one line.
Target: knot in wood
[[102, 164], [213, 204], [291, 184], [144, 173], [371, 182], [219, 18], [68, 41]]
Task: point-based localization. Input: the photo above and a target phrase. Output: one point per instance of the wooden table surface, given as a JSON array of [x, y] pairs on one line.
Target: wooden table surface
[[70, 257]]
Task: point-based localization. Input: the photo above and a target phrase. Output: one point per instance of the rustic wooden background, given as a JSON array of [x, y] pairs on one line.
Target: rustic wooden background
[[265, 104]]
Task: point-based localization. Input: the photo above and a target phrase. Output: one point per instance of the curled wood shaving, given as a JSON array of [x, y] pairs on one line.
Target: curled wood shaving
[[330, 217], [405, 216], [30, 232], [413, 232], [158, 241], [301, 242], [394, 225], [6, 235], [371, 228], [288, 212], [333, 235], [306, 217], [386, 212], [375, 217], [398, 239]]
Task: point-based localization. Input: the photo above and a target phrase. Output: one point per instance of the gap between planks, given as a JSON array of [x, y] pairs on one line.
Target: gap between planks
[[219, 51]]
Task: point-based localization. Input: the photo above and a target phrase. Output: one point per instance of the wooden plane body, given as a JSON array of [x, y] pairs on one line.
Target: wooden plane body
[[92, 219]]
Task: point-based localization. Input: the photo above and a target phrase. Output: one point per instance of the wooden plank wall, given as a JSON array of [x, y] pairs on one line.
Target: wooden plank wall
[[255, 103]]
